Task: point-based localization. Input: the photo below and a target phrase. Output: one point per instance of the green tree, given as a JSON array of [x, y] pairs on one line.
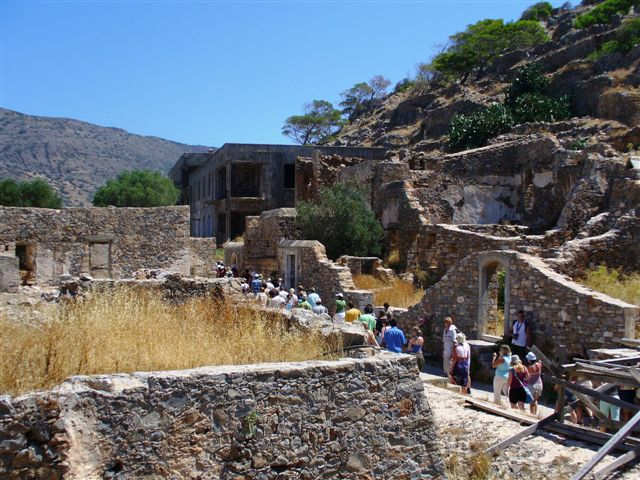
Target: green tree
[[475, 48], [137, 188], [604, 12], [34, 193], [538, 11], [364, 96], [342, 221], [318, 123]]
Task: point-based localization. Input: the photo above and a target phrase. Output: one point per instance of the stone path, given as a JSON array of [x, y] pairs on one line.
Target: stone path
[[465, 433]]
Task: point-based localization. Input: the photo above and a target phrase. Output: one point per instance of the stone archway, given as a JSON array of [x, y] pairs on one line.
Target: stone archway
[[493, 296]]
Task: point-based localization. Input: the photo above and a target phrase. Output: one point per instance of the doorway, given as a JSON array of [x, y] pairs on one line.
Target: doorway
[[26, 253], [494, 299]]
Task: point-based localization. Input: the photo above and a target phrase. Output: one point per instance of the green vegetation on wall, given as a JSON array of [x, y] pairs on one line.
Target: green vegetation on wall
[[137, 188], [539, 11], [475, 48], [604, 12], [34, 193], [528, 99], [627, 37], [342, 220]]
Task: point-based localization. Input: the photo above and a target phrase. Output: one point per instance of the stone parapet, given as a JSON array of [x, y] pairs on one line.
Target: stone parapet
[[348, 419]]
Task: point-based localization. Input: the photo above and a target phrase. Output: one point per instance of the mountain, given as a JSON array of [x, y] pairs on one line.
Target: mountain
[[78, 157]]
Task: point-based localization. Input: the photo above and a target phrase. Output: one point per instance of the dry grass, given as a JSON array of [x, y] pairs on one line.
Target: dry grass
[[132, 330], [472, 467], [614, 283], [399, 293]]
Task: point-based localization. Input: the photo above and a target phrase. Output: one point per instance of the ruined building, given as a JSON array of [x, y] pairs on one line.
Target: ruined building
[[239, 180]]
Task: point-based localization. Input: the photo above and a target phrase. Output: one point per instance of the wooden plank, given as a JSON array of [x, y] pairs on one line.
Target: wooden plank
[[635, 373], [530, 430], [603, 377], [582, 434], [492, 408], [630, 342], [621, 376], [595, 393], [607, 447], [617, 463]]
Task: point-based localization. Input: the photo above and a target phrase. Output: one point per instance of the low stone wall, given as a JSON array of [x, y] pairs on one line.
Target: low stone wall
[[203, 254], [366, 266], [348, 419], [563, 312], [9, 274], [104, 242]]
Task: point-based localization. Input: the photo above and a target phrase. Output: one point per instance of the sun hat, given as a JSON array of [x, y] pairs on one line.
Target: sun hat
[[531, 357]]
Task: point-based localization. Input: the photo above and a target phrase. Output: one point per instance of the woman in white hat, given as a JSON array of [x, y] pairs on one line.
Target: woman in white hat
[[534, 369]]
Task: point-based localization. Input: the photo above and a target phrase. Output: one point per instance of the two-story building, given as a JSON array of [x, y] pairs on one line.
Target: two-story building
[[224, 186]]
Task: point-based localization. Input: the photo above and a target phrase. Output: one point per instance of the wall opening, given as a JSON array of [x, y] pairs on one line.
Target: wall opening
[[289, 175], [237, 225], [290, 272], [494, 299], [245, 180], [221, 232], [26, 253], [221, 183]]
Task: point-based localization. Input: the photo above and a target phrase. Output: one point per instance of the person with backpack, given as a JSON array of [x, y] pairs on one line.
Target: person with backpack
[[461, 363], [517, 381], [521, 333], [534, 369]]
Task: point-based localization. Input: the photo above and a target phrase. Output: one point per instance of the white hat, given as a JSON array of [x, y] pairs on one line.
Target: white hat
[[531, 357]]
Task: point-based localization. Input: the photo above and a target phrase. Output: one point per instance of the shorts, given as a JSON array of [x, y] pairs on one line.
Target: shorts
[[610, 411], [517, 395], [461, 373], [536, 390]]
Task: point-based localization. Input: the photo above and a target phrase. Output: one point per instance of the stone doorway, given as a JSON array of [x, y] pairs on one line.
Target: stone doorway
[[493, 304], [290, 272], [26, 253]]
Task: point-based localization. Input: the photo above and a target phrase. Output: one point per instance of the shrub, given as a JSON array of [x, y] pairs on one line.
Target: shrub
[[135, 330], [403, 85], [342, 220], [137, 188], [34, 193], [538, 11], [627, 37], [534, 107], [474, 129], [528, 79], [604, 12]]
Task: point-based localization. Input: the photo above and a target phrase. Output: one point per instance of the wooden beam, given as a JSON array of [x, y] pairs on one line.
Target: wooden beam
[[530, 430], [595, 393], [607, 447], [583, 434], [630, 342], [546, 362], [492, 408], [621, 376], [617, 463]]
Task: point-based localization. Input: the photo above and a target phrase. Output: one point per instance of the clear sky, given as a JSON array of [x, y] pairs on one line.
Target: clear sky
[[210, 72]]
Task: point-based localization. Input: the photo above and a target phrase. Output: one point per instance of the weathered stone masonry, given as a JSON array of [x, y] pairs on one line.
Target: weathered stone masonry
[[348, 419], [104, 242]]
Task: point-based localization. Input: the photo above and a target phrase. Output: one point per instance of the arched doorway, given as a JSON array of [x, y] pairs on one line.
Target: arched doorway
[[493, 296]]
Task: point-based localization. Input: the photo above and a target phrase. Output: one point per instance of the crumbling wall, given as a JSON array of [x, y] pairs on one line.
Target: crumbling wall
[[313, 269], [203, 254], [106, 242], [349, 419], [9, 274], [366, 266], [563, 312]]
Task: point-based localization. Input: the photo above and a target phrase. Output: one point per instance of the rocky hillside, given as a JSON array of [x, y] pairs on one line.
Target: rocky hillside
[[77, 157]]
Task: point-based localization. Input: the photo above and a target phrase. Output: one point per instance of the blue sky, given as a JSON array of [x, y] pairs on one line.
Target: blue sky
[[210, 72]]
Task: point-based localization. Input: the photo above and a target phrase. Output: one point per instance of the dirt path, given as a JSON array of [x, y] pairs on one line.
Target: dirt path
[[466, 432]]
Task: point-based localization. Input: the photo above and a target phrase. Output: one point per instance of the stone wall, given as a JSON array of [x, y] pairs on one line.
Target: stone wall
[[366, 266], [348, 419], [563, 312], [314, 270], [203, 254], [9, 274], [104, 242]]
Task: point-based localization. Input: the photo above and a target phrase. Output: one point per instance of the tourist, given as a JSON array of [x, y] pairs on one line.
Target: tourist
[[275, 299], [383, 329], [352, 315], [502, 363], [341, 308], [318, 308], [313, 297], [370, 338], [367, 317], [520, 335], [380, 316], [292, 302], [394, 338], [386, 308], [448, 340], [610, 411], [294, 297], [303, 303], [262, 297], [234, 271], [256, 284], [517, 382], [415, 347], [269, 284], [534, 370], [247, 276], [460, 363]]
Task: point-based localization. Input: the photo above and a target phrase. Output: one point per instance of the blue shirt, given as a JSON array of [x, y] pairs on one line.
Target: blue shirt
[[256, 285], [313, 298], [502, 370], [394, 339]]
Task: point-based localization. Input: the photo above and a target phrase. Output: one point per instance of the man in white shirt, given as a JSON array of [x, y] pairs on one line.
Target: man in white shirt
[[448, 339], [520, 335]]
